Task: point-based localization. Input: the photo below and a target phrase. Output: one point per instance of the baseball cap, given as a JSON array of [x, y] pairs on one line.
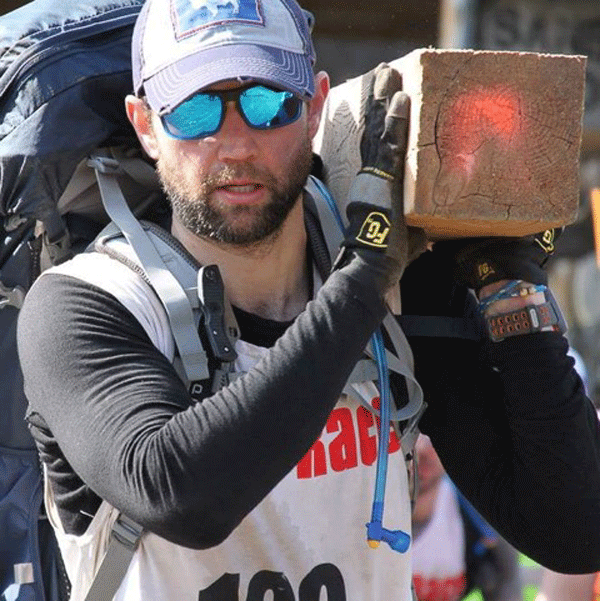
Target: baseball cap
[[182, 46]]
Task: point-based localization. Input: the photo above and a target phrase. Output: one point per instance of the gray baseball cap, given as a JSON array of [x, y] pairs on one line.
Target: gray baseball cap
[[180, 47]]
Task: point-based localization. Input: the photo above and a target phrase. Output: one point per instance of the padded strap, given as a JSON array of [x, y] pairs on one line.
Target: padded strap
[[329, 224], [123, 541], [402, 361], [165, 284], [137, 169]]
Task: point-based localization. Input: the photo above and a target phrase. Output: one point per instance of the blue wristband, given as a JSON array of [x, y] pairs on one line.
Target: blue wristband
[[511, 290]]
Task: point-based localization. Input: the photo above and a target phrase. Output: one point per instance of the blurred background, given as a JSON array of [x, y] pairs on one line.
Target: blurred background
[[353, 36]]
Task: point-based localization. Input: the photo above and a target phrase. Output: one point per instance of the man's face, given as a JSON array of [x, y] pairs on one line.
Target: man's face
[[238, 185]]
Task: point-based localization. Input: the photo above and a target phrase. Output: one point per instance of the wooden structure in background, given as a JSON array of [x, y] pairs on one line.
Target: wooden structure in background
[[494, 140], [408, 20], [8, 5]]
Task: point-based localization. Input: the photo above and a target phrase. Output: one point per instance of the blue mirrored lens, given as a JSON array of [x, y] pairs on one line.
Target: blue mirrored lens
[[197, 117], [264, 108], [261, 108]]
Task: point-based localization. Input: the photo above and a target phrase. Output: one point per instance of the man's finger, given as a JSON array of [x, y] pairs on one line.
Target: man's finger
[[387, 82], [395, 130], [399, 106]]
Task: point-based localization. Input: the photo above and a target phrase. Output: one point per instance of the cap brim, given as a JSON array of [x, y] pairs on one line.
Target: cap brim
[[282, 69]]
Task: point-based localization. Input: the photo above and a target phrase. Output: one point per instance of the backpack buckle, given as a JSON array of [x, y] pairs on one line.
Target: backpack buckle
[[212, 298], [59, 249], [126, 531], [104, 164]]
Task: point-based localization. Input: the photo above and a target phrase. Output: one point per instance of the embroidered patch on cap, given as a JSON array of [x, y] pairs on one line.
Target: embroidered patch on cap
[[191, 15]]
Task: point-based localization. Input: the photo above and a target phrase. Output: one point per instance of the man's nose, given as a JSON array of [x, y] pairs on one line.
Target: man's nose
[[236, 139]]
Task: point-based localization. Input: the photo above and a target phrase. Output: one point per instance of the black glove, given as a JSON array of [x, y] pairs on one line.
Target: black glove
[[483, 261], [374, 205]]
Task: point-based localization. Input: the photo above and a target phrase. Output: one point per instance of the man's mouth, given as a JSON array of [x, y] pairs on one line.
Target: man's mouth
[[243, 194], [240, 188]]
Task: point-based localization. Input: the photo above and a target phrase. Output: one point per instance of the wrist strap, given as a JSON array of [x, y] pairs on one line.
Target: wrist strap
[[527, 320], [510, 290]]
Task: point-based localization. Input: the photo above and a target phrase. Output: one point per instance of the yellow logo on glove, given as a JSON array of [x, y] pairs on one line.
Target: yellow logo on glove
[[484, 270], [546, 241], [375, 230]]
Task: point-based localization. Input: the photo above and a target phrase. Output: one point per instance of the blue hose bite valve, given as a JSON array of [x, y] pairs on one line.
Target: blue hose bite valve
[[398, 540]]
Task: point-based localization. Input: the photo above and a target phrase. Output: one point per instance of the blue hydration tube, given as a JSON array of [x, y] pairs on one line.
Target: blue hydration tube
[[398, 540]]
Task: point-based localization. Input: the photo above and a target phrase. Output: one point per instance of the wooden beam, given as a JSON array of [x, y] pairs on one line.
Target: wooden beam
[[494, 140]]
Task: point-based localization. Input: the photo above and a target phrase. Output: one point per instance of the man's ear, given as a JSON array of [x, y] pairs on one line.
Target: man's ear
[[140, 116], [316, 103]]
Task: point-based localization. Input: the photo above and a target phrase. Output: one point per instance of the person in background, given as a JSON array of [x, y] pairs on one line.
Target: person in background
[[455, 551]]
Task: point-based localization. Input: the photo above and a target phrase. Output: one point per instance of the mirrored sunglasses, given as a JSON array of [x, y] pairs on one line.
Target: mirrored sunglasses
[[203, 114]]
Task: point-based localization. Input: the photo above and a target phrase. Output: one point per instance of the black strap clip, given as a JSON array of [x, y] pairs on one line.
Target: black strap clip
[[212, 296]]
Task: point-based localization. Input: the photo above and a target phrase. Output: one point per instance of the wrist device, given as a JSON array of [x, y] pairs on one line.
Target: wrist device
[[527, 320]]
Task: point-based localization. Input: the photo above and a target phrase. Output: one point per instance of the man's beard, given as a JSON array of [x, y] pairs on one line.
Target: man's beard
[[241, 225]]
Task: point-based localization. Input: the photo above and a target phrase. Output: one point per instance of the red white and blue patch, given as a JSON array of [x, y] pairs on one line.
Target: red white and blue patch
[[191, 15]]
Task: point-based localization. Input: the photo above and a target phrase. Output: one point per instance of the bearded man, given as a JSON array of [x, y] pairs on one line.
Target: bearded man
[[257, 482]]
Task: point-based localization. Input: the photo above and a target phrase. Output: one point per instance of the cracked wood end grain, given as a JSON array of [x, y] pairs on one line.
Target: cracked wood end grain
[[494, 141]]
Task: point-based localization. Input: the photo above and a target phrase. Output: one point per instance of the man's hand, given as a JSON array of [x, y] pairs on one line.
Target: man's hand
[[481, 262], [374, 205], [509, 279]]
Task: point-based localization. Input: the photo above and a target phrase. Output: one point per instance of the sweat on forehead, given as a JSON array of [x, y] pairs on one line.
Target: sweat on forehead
[[180, 47]]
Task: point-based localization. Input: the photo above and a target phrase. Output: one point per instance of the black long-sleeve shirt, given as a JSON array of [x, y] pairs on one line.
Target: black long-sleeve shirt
[[509, 420], [512, 426]]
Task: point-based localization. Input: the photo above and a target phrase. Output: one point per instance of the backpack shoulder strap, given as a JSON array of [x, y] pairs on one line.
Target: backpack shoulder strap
[[124, 538], [401, 360], [185, 290], [327, 213], [164, 283]]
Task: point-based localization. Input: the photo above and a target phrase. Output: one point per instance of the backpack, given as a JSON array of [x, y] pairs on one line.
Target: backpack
[[68, 62], [61, 62]]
